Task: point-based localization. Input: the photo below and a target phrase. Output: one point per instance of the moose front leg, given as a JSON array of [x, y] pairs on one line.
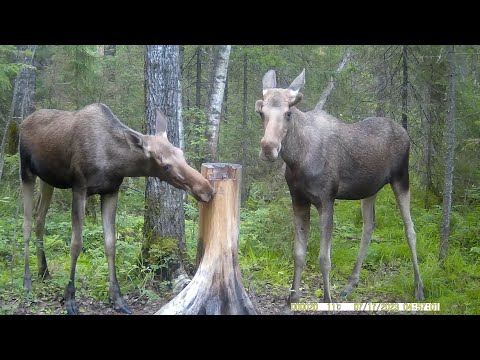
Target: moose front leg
[[78, 214], [109, 210], [326, 223], [301, 214]]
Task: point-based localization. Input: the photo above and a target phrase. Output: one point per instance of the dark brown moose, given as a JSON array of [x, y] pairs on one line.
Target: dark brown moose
[[91, 151], [327, 159]]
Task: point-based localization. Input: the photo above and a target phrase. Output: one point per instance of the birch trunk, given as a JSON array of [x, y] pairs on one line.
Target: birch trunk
[[331, 84], [216, 98]]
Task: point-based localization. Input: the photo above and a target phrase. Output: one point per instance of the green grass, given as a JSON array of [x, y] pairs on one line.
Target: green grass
[[387, 273], [265, 251], [92, 269]]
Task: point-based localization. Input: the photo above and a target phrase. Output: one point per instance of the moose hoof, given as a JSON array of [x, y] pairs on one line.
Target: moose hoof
[[287, 311], [71, 308], [123, 309], [293, 297], [119, 305], [419, 296], [348, 289]]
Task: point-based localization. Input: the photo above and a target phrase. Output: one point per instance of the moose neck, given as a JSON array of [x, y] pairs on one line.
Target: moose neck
[[131, 162], [295, 143]]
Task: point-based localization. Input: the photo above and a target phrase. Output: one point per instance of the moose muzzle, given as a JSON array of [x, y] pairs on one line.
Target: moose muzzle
[[269, 150]]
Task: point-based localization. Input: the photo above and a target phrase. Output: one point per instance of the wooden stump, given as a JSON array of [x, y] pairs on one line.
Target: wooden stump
[[216, 288]]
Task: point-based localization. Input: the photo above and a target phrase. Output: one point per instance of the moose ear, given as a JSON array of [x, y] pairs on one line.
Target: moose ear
[[258, 105], [160, 123], [297, 84], [297, 99], [269, 81], [136, 141]]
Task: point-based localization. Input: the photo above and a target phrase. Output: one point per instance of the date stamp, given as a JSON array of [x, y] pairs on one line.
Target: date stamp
[[380, 307]]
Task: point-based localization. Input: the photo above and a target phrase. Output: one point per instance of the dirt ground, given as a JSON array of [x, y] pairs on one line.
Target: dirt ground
[[267, 303]]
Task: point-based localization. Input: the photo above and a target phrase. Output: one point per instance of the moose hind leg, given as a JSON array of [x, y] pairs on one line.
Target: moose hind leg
[[402, 195], [326, 216], [27, 191], [368, 215], [109, 209], [78, 215], [46, 192]]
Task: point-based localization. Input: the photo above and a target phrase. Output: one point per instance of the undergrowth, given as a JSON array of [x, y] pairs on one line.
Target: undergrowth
[[265, 251]]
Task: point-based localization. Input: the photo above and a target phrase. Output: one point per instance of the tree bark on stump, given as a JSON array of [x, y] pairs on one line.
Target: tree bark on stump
[[216, 288]]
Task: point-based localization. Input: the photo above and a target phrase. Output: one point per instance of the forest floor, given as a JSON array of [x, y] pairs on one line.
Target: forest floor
[[269, 302], [265, 259], [265, 304]]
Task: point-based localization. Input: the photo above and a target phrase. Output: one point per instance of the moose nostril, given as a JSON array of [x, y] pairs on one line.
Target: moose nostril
[[207, 196], [268, 144]]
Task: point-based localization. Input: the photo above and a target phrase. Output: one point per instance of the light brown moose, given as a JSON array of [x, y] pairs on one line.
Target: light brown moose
[[91, 151], [327, 159]]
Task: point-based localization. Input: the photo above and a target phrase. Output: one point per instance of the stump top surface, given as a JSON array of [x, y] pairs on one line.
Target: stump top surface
[[221, 171], [221, 165]]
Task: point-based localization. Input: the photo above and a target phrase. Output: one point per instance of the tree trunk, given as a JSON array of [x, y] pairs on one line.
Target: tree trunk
[[225, 101], [216, 288], [331, 84], [23, 101], [427, 119], [198, 83], [216, 98], [381, 86], [244, 194], [405, 89], [181, 144], [2, 146], [164, 224], [449, 161]]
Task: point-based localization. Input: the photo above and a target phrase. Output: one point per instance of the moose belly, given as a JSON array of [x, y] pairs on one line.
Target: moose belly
[[315, 186], [102, 184], [359, 189], [96, 182], [52, 175]]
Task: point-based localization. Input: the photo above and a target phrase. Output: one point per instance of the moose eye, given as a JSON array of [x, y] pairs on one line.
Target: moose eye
[[288, 115], [167, 167]]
